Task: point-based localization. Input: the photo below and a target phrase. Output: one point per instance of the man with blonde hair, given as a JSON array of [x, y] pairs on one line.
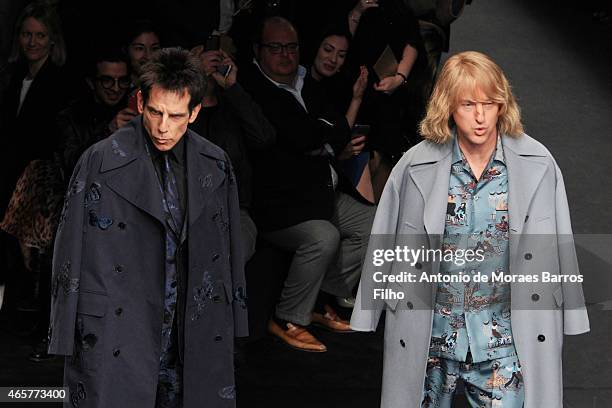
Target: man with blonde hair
[[501, 338]]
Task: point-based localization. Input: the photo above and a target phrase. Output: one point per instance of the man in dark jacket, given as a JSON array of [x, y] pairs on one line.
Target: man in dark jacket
[[233, 121], [148, 282], [298, 202], [94, 117]]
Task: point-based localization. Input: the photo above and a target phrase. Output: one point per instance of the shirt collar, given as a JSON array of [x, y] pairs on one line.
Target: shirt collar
[[177, 153], [498, 154], [298, 82]]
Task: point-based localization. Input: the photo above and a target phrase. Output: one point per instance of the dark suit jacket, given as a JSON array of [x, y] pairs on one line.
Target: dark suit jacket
[[108, 276], [291, 185]]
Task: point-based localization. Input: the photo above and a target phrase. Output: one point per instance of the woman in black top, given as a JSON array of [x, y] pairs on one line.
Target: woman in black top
[[345, 96], [36, 92]]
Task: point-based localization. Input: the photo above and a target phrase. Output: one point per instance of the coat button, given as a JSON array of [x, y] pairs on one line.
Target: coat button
[[418, 265], [402, 343], [121, 225], [409, 305], [118, 311], [541, 338], [218, 338], [119, 268], [528, 256], [215, 257], [116, 352], [526, 218], [535, 297], [173, 284]]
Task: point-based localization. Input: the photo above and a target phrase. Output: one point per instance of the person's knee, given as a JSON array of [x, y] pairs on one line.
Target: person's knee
[[330, 241], [325, 240]]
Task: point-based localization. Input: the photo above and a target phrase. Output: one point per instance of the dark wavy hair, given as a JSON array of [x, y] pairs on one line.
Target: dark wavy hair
[[174, 70]]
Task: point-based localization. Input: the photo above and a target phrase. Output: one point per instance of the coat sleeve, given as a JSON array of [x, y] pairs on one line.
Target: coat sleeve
[[575, 317], [239, 297], [366, 312], [67, 256]]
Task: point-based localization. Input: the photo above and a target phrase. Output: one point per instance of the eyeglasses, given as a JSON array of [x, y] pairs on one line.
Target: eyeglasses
[[108, 82], [277, 48]]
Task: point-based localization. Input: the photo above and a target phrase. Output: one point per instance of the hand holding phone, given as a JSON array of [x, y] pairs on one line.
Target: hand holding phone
[[360, 130], [226, 70]]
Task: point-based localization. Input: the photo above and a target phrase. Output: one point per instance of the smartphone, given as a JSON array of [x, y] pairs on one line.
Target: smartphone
[[132, 102], [225, 70], [213, 42], [359, 130]]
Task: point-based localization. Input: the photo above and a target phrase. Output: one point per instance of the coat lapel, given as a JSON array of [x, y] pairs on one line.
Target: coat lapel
[[135, 178], [127, 157], [526, 168], [205, 173], [525, 171], [431, 173]]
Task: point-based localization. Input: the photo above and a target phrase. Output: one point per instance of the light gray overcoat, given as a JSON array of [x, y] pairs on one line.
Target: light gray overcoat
[[414, 204]]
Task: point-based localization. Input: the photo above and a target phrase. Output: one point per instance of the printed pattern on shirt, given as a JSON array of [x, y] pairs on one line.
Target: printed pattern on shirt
[[475, 316]]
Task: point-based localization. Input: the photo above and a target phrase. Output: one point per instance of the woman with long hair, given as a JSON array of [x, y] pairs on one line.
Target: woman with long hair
[[32, 178]]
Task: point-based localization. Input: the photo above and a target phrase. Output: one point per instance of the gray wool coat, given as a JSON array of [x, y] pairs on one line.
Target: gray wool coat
[[413, 206], [109, 268]]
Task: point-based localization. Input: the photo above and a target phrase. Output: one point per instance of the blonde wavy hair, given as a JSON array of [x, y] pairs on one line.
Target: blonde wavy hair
[[462, 74]]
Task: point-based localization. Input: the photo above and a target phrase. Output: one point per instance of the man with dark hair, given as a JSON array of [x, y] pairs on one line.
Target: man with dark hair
[[148, 282], [95, 116]]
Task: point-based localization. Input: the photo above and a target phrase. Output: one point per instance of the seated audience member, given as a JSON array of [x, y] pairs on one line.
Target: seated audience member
[[30, 177], [396, 102], [35, 93], [326, 69], [142, 42], [233, 121], [297, 202], [100, 113]]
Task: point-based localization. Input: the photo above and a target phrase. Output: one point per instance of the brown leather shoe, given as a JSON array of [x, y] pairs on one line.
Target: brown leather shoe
[[297, 337], [331, 321]]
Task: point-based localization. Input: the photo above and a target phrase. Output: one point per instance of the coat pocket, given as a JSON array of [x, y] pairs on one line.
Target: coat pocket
[[89, 333], [558, 295], [92, 304]]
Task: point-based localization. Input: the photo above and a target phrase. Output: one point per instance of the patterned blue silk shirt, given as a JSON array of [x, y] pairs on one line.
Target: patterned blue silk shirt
[[474, 316]]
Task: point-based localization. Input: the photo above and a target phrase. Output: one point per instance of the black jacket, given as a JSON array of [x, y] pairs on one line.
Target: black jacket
[[31, 134], [292, 185]]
